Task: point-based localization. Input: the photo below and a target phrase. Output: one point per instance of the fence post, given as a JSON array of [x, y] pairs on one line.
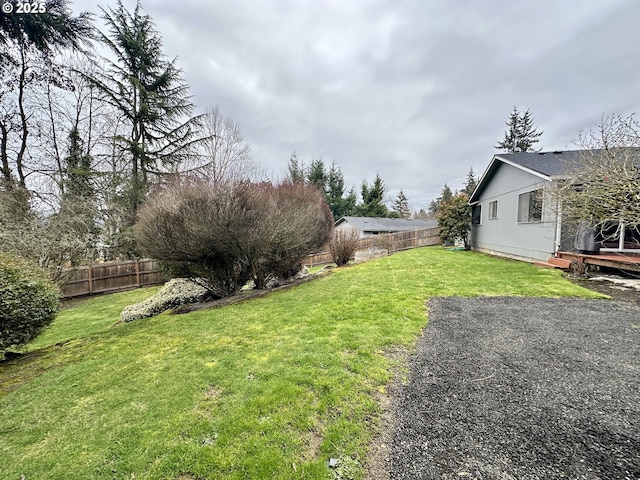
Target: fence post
[[90, 278], [137, 273]]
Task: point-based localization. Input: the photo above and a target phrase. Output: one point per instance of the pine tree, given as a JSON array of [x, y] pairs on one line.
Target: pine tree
[[401, 206], [521, 135], [423, 215]]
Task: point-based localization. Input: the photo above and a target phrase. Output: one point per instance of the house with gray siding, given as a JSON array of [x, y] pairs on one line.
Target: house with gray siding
[[514, 213]]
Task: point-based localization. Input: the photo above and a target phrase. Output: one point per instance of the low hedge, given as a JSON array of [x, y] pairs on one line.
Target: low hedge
[[29, 301]]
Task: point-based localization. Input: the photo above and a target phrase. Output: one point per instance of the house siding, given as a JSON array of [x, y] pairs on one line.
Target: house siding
[[504, 235]]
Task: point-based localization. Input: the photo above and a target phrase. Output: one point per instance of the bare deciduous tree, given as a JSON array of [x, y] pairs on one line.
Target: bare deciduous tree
[[226, 155], [602, 189]]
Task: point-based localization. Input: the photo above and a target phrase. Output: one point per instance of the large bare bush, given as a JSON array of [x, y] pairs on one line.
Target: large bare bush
[[225, 234], [297, 221]]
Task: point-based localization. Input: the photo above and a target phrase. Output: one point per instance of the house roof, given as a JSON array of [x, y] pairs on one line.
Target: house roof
[[545, 165], [376, 224]]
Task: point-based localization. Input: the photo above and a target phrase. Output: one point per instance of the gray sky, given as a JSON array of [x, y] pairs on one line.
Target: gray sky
[[417, 91]]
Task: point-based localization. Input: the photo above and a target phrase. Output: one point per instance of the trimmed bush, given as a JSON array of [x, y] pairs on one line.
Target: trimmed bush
[[29, 301], [176, 292]]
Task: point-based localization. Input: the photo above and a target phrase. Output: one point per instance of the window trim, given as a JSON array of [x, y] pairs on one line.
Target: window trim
[[492, 214], [530, 218], [476, 219]]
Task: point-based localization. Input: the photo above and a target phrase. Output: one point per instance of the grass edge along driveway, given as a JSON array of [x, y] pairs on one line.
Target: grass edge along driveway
[[269, 388]]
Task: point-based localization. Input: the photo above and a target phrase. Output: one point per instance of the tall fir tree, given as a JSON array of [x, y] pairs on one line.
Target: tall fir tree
[[148, 90], [471, 183], [373, 200], [445, 196], [335, 190], [401, 206], [316, 175], [296, 169], [521, 135]]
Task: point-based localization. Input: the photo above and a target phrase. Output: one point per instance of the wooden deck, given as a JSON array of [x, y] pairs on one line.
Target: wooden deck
[[622, 261]]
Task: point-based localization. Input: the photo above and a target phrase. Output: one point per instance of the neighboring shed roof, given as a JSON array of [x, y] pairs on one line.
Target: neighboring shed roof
[[376, 224]]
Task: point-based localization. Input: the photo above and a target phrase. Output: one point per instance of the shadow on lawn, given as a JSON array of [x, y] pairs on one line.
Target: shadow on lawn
[[19, 368]]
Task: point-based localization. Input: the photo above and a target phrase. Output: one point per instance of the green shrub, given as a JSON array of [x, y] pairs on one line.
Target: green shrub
[[176, 292], [29, 301]]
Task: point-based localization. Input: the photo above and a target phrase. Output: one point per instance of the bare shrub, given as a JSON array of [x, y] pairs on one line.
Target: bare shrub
[[198, 230], [343, 246], [297, 221], [225, 234]]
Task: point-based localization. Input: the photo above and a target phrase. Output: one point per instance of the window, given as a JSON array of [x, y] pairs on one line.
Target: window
[[530, 207], [475, 215], [493, 209]]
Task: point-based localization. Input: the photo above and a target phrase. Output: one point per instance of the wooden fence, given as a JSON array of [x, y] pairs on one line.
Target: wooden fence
[[392, 242], [112, 277]]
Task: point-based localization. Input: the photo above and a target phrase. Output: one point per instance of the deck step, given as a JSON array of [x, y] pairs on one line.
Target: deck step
[[563, 263], [542, 264]]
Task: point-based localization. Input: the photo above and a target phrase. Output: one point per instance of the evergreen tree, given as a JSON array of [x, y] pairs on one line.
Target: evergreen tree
[[521, 135], [296, 169], [77, 181], [147, 89], [401, 206], [78, 209], [372, 200], [445, 196], [423, 215], [454, 219], [338, 203], [471, 183], [316, 175], [47, 31]]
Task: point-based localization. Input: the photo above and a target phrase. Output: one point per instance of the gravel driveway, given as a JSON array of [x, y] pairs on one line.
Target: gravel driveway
[[522, 388]]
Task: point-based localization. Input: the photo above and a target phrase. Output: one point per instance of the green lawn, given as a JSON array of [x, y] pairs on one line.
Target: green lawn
[[269, 388]]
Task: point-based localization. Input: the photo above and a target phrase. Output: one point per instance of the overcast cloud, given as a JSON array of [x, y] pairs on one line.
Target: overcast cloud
[[417, 91]]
